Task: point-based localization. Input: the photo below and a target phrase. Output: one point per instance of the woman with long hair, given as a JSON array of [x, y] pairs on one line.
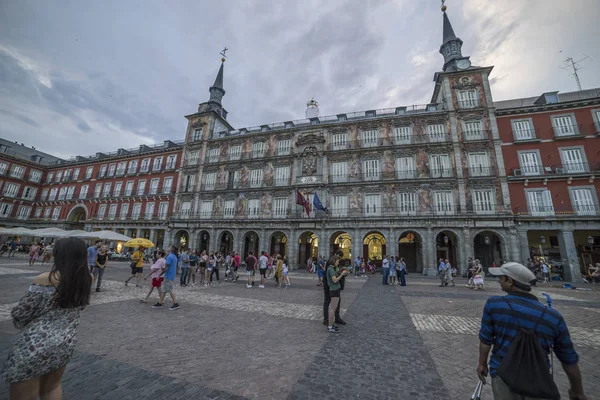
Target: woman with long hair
[[48, 316], [334, 276]]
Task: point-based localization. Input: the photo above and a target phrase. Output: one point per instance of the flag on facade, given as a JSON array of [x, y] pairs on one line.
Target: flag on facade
[[317, 203], [300, 199], [307, 204]]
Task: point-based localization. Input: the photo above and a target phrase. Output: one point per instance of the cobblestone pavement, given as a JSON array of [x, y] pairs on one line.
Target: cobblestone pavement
[[230, 342]]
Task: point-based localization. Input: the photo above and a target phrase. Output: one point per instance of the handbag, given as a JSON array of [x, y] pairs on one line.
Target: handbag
[[133, 264]]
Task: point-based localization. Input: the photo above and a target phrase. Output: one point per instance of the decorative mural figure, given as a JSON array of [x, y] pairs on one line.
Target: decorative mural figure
[[218, 207], [422, 161], [269, 173], [271, 146], [388, 165], [247, 147], [354, 137], [224, 151], [240, 205], [266, 204], [244, 177], [425, 198], [355, 202], [222, 176], [389, 199], [309, 161], [386, 134], [355, 168]]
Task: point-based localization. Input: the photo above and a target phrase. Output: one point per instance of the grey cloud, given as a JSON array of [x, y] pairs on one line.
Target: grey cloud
[[20, 117]]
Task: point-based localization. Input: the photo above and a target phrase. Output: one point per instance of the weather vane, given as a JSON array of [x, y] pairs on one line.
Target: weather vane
[[223, 53]]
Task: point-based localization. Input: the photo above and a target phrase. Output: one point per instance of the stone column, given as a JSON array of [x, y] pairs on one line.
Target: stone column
[[467, 251], [522, 246], [262, 242], [357, 244], [568, 254], [292, 250], [391, 246], [213, 240], [153, 236], [429, 261], [193, 243], [237, 241]]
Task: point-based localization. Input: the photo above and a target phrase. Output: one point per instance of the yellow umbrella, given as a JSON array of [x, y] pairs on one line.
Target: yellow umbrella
[[139, 242]]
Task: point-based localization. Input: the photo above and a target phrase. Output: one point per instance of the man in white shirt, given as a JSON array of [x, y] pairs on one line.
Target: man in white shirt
[[386, 269], [262, 267]]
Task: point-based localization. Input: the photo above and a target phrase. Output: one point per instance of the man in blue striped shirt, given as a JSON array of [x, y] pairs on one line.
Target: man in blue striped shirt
[[499, 328]]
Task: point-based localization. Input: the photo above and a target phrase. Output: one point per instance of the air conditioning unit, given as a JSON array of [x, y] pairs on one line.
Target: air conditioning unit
[[548, 169], [560, 171], [517, 172]]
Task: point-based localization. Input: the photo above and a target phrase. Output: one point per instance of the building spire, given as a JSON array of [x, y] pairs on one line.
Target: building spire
[[216, 90], [451, 47], [448, 31]]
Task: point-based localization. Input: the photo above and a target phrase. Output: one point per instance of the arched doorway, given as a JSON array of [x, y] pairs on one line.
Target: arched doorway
[[341, 241], [204, 242], [446, 248], [278, 244], [251, 243], [487, 248], [308, 246], [182, 239], [410, 247], [374, 247], [226, 243], [76, 218]]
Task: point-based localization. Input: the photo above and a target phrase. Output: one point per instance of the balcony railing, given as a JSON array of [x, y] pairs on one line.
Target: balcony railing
[[131, 217], [159, 191], [554, 170], [568, 130], [559, 212], [392, 175], [467, 104], [525, 134], [476, 172], [481, 134], [397, 140]]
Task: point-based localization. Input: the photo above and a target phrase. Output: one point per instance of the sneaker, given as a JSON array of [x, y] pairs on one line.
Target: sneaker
[[175, 306], [332, 329], [249, 286], [157, 305], [262, 286]]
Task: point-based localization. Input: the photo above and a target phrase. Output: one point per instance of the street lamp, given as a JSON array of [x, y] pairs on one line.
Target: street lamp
[[542, 239], [590, 240], [446, 239], [487, 240]]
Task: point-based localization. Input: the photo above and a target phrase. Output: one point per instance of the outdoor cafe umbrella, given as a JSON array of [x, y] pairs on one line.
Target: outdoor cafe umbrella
[[19, 232], [139, 242], [104, 235], [48, 232]]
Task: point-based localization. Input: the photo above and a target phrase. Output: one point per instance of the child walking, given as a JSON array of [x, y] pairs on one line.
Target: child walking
[[286, 278], [158, 268]]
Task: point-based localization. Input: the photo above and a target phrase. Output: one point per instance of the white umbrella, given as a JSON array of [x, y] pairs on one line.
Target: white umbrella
[[19, 232], [104, 235], [49, 232], [65, 234]]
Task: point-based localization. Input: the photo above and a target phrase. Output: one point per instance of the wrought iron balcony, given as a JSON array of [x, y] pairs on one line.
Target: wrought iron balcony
[[468, 104], [478, 171], [563, 211], [525, 134], [568, 130], [555, 170]]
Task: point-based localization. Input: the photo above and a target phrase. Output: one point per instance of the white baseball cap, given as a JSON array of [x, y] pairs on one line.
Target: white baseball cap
[[517, 272]]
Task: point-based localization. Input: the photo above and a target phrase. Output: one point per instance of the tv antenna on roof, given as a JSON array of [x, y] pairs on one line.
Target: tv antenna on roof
[[571, 64]]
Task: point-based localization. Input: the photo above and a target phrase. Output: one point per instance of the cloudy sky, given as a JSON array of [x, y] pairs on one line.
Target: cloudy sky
[[77, 77]]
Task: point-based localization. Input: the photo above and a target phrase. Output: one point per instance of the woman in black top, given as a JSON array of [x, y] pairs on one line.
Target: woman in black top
[[101, 259]]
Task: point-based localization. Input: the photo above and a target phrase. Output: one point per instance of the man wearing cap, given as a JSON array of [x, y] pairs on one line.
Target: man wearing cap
[[497, 330]]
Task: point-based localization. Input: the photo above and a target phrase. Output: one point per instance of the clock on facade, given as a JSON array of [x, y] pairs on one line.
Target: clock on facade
[[463, 63]]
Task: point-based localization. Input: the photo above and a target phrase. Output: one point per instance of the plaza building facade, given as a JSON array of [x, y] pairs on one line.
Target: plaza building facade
[[130, 191], [419, 182], [551, 148]]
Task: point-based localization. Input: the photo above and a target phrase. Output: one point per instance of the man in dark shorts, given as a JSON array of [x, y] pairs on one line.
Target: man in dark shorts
[[250, 265], [137, 266], [262, 267]]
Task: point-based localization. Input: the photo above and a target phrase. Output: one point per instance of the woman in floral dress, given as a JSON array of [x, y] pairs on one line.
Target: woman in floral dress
[[48, 316]]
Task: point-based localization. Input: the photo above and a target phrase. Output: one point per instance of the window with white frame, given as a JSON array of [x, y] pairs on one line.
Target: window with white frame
[[23, 212], [436, 132], [5, 210], [370, 138], [573, 160], [280, 207], [530, 163], [582, 200], [67, 175], [254, 208], [47, 212], [539, 202], [479, 164], [189, 183], [112, 211], [193, 157], [185, 209], [44, 195], [97, 190], [564, 125], [339, 141], [210, 180], [167, 185], [256, 178], [154, 185], [228, 208], [111, 169], [405, 167], [129, 188], [440, 166], [136, 211], [56, 213], [468, 98], [157, 165], [124, 211], [11, 189], [402, 135], [235, 152], [282, 176], [284, 147], [54, 191], [29, 193], [163, 210], [258, 149], [339, 171], [107, 188], [62, 193], [522, 129], [70, 192], [49, 177], [213, 155], [102, 211], [121, 168], [38, 212], [145, 166], [17, 171], [206, 209], [141, 188], [133, 166], [35, 176], [4, 168], [102, 172], [171, 161], [197, 134], [444, 202], [372, 204], [472, 130], [88, 172], [83, 191], [58, 177], [484, 201], [339, 205], [117, 189], [371, 170], [149, 212], [76, 174], [407, 202]]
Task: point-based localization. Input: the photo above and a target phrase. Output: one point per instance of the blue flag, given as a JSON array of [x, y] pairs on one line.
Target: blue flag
[[318, 205]]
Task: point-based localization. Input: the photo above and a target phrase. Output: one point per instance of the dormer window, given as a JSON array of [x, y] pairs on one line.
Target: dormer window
[[289, 125], [342, 117], [371, 113]]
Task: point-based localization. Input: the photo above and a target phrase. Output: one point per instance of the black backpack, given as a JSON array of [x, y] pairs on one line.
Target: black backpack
[[524, 367]]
